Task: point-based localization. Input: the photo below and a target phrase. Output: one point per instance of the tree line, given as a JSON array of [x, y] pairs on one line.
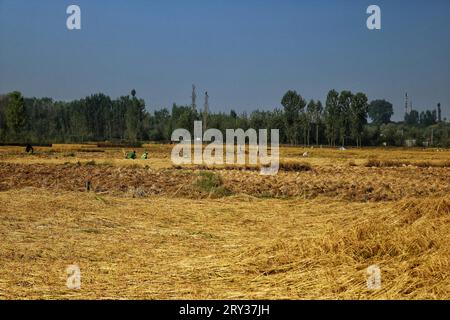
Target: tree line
[[342, 120]]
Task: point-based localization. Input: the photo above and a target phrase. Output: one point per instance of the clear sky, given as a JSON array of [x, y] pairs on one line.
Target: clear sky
[[245, 53]]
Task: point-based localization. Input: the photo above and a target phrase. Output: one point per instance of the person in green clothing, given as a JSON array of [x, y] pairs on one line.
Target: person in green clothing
[[131, 155], [144, 155]]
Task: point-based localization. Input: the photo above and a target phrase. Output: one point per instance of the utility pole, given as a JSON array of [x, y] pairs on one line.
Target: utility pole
[[193, 97], [439, 113], [432, 135], [205, 112], [406, 104]]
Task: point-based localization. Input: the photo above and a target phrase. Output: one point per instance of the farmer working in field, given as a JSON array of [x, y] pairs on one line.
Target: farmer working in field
[[131, 155], [29, 149], [144, 155]]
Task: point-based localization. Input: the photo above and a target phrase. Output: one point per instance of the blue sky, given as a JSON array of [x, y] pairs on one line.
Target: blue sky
[[246, 53]]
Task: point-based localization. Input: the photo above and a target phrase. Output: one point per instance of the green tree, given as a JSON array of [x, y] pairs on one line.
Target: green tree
[[412, 118], [311, 110], [331, 116], [98, 117], [428, 118], [391, 134], [358, 116], [293, 104], [78, 122], [3, 106], [160, 124], [317, 118], [184, 117], [134, 117], [380, 111], [15, 115], [344, 115]]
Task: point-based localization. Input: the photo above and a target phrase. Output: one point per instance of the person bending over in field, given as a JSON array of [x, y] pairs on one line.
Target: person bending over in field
[[131, 155], [144, 155], [29, 149]]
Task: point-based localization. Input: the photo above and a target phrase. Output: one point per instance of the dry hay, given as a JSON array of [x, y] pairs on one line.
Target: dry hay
[[166, 248], [148, 231], [296, 166], [396, 163], [350, 183]]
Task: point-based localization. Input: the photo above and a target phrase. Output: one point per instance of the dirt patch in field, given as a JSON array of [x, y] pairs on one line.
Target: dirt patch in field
[[103, 179], [349, 183]]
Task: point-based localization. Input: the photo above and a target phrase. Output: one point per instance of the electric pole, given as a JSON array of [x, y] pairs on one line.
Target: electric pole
[[205, 112], [439, 112], [193, 97], [406, 104]]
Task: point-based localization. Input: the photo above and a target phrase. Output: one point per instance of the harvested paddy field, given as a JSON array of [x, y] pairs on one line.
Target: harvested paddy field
[[349, 183], [147, 230]]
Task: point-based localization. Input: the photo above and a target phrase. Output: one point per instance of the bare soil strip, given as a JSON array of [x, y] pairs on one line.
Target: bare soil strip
[[340, 182]]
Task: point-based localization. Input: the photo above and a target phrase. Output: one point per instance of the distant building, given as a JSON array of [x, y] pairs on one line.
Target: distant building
[[410, 142]]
